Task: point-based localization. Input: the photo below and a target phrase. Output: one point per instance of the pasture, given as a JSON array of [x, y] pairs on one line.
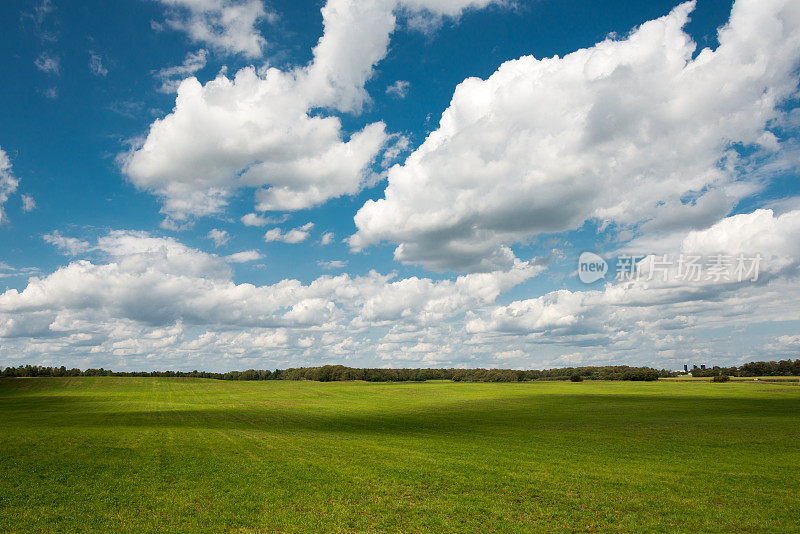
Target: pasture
[[184, 455]]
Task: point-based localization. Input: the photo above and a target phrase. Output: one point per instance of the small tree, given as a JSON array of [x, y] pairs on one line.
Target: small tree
[[721, 378]]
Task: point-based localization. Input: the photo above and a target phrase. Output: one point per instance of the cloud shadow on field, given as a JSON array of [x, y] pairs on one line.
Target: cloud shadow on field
[[521, 416]]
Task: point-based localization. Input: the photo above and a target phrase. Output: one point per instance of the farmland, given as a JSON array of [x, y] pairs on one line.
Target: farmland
[[180, 454]]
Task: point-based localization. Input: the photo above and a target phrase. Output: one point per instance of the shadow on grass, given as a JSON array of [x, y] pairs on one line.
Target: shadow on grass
[[578, 411]]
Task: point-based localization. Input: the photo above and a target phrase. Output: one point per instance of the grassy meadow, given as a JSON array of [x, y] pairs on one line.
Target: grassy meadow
[[184, 455]]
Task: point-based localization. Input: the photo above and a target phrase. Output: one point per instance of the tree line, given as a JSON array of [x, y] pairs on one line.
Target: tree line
[[780, 368], [338, 373]]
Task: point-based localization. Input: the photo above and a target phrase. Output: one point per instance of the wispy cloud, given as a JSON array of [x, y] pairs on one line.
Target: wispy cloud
[[7, 271], [70, 246], [48, 64], [332, 264], [96, 65], [399, 89], [8, 182], [171, 77], [28, 204], [219, 237], [327, 238]]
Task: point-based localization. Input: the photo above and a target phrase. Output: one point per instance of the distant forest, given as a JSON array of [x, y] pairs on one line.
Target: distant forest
[[335, 373]]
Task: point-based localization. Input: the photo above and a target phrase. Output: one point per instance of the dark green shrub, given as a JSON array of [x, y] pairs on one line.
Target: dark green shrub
[[721, 378], [576, 378]]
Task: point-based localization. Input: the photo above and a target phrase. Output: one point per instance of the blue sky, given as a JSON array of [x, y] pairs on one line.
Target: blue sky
[[129, 208]]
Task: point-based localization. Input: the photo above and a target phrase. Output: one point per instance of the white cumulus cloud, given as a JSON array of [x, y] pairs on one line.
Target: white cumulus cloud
[[251, 219], [295, 235], [619, 132], [8, 182], [244, 256], [154, 297], [663, 314], [258, 129], [227, 25]]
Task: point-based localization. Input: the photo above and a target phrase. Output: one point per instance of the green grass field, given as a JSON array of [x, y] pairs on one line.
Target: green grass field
[[180, 455], [736, 379]]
